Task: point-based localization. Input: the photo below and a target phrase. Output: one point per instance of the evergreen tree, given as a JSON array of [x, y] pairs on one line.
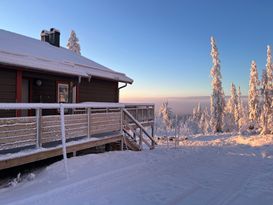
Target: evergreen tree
[[166, 115], [204, 121], [263, 120], [73, 43], [253, 95], [267, 86], [232, 105], [240, 110], [217, 100], [197, 112], [231, 111]]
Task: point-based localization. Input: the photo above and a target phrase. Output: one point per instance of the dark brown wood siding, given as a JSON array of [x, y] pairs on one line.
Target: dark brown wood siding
[[47, 92], [98, 90], [7, 90]]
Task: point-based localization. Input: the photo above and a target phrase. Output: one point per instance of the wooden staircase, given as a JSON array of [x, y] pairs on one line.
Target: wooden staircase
[[135, 134]]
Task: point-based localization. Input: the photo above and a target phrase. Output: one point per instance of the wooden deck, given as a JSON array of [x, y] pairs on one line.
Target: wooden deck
[[28, 139], [38, 155]]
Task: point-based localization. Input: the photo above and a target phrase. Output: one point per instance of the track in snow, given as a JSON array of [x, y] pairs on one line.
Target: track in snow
[[193, 174]]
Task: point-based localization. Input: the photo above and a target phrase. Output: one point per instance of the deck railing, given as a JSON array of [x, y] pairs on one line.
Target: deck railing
[[44, 131], [141, 112]]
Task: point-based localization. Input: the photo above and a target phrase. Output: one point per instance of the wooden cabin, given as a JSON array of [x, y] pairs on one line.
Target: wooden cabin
[[40, 71], [49, 93]]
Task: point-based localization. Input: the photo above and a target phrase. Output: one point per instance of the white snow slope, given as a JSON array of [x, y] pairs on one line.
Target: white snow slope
[[204, 170]]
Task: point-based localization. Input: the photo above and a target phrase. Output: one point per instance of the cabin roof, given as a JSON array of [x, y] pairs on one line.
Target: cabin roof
[[20, 50]]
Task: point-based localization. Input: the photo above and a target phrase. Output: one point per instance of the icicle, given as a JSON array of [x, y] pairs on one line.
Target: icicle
[[63, 140]]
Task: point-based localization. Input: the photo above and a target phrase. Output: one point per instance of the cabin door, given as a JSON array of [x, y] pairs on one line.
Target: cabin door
[[25, 95]]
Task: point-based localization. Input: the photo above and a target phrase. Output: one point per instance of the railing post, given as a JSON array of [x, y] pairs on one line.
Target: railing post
[[38, 127], [137, 118], [153, 112], [88, 122], [153, 144], [121, 120], [140, 138], [142, 115]]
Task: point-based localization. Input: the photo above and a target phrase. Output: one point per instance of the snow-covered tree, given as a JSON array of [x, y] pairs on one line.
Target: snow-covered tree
[[231, 111], [253, 95], [267, 86], [204, 122], [229, 124], [165, 113], [217, 100], [73, 43], [232, 105], [197, 112], [263, 119], [240, 109]]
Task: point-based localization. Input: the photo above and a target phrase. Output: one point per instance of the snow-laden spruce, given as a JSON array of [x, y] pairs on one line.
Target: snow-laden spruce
[[232, 105], [204, 124], [231, 111], [197, 112], [217, 101], [73, 43], [253, 96], [241, 111], [267, 87], [166, 115]]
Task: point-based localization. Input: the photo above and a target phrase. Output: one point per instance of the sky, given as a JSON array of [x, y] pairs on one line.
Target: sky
[[163, 45]]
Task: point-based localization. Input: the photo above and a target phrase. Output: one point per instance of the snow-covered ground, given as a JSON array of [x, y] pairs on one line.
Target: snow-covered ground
[[221, 169]]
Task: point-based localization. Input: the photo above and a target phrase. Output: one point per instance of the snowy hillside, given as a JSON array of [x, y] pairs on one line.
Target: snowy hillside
[[219, 169]]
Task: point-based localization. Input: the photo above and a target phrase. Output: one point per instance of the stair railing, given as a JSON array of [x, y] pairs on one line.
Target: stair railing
[[142, 131]]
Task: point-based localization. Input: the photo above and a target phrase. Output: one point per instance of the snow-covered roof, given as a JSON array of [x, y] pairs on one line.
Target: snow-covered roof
[[19, 50]]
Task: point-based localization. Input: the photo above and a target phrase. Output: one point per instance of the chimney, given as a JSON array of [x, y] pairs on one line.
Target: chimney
[[52, 36], [45, 36]]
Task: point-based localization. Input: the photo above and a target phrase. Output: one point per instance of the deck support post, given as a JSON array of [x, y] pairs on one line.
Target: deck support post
[[152, 128], [38, 128], [88, 122], [121, 144], [140, 138]]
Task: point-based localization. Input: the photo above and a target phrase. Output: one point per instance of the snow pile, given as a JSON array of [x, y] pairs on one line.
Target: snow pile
[[254, 141], [205, 169]]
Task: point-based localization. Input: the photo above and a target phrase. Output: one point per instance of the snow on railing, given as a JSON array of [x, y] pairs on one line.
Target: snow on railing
[[18, 132]]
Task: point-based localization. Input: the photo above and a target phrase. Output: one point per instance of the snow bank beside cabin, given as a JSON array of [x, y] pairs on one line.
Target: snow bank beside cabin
[[212, 169]]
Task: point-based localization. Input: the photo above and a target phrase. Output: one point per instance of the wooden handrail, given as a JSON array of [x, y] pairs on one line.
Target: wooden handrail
[[145, 141], [139, 125]]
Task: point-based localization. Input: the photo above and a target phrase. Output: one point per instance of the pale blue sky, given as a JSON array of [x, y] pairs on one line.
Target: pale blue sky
[[163, 45]]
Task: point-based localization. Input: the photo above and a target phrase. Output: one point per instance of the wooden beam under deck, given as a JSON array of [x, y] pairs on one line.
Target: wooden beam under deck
[[53, 152]]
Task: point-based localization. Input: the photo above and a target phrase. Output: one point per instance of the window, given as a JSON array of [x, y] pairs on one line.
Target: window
[[63, 92]]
